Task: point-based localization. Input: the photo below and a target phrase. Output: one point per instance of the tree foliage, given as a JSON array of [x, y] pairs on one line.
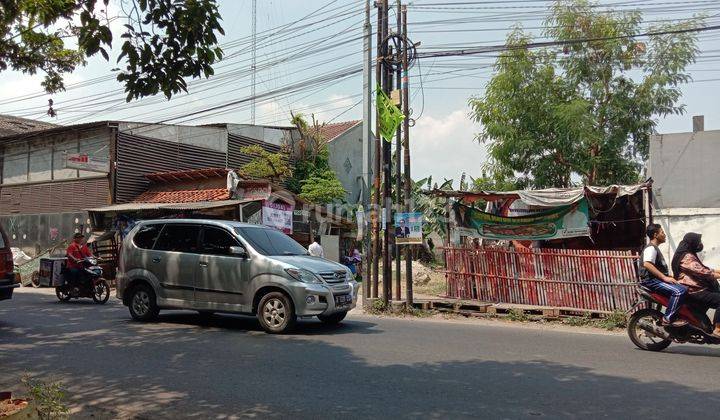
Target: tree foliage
[[264, 164], [322, 188], [312, 165], [586, 110], [164, 41]]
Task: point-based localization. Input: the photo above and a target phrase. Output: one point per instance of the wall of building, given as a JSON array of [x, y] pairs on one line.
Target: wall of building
[[36, 233], [684, 167], [41, 158], [346, 157], [278, 136], [677, 222], [208, 137]]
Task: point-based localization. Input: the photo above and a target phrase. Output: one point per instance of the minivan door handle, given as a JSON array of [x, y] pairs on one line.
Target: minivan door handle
[[156, 260], [203, 264]]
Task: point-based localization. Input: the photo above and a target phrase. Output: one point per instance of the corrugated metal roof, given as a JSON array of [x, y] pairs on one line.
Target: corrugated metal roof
[[169, 206]]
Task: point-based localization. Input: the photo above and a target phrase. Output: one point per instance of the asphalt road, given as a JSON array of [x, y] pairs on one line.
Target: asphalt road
[[370, 367]]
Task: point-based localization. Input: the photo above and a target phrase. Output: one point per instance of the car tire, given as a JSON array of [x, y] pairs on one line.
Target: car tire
[[333, 319], [143, 304], [276, 313]]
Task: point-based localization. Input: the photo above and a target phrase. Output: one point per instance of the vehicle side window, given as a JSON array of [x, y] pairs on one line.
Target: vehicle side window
[[179, 238], [217, 241], [147, 235]]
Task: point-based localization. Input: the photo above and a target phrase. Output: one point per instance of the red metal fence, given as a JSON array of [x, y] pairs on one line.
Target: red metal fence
[[598, 281]]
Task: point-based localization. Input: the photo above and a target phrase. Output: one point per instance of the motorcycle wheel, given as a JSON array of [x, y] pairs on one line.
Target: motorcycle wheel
[[644, 339], [62, 294], [101, 292]]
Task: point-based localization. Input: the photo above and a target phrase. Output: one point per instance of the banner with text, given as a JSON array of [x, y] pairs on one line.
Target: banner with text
[[558, 223], [408, 228], [278, 216]]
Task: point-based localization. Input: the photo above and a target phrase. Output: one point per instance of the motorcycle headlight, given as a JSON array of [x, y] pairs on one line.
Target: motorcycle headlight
[[304, 276]]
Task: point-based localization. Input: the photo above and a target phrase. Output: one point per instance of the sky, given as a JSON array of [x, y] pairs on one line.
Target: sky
[[308, 56]]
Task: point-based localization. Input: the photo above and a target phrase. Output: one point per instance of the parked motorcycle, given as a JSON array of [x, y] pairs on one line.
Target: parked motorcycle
[[96, 288], [647, 332]]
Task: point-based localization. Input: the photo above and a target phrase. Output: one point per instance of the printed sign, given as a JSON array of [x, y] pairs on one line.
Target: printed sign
[[278, 216], [408, 228], [84, 162], [558, 223]]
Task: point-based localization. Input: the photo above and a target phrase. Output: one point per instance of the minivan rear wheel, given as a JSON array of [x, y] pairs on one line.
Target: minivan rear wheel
[[276, 313], [333, 319], [142, 303]]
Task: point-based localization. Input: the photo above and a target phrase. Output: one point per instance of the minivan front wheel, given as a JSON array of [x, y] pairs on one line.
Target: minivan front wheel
[[142, 303], [276, 313]]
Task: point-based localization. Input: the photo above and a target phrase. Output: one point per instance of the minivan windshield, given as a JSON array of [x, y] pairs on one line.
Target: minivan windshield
[[270, 242]]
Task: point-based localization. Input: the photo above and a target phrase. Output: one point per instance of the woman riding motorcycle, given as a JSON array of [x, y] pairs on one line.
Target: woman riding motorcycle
[[701, 281]]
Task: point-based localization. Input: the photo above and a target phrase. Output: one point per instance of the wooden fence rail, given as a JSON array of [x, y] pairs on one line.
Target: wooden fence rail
[[585, 280]]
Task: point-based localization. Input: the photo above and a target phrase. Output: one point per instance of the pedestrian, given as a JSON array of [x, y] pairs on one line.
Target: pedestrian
[[316, 250]]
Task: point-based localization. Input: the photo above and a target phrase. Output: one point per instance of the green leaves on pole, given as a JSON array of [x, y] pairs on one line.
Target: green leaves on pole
[[390, 115]]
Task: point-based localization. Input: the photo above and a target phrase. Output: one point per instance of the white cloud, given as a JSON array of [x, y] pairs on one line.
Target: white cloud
[[444, 146]]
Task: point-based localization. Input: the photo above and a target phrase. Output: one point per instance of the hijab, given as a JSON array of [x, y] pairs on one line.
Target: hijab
[[690, 244]]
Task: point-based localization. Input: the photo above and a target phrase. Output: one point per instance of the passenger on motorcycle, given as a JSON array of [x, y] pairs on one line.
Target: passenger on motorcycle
[[654, 275], [701, 281], [76, 252]]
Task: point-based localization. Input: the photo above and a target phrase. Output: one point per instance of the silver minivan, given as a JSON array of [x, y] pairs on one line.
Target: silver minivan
[[225, 266]]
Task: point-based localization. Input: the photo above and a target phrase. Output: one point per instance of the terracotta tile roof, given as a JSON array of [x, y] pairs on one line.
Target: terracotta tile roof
[[331, 131], [10, 125], [186, 196]]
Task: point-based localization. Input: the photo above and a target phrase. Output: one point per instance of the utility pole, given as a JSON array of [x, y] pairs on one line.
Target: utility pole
[[367, 145], [254, 62], [376, 209], [398, 157], [387, 158], [406, 157]]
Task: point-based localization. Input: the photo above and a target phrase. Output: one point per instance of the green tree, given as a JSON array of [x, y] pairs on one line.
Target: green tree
[[322, 188], [585, 110], [165, 41], [311, 159], [264, 164]]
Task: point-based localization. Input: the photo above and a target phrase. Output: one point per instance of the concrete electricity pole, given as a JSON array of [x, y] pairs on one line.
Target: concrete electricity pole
[[367, 143], [406, 157]]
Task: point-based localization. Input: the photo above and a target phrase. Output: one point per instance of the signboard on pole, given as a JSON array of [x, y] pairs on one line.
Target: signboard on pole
[[408, 228], [278, 216], [83, 162]]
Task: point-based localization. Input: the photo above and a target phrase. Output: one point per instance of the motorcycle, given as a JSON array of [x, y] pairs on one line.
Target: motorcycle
[[96, 288], [647, 332]]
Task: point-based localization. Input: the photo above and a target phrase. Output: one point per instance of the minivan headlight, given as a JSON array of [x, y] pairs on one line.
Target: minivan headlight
[[302, 275]]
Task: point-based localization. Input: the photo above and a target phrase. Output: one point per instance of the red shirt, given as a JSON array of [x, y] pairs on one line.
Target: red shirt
[[78, 252]]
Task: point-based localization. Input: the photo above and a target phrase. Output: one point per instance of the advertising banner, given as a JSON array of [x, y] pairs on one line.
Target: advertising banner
[[561, 222], [84, 162], [278, 216], [408, 228]]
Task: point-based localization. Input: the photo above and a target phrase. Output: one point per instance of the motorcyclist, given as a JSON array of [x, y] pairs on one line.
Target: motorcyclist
[[76, 252], [701, 281], [654, 275]]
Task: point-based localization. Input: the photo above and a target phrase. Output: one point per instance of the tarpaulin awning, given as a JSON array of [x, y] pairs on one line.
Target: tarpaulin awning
[[549, 197], [200, 205]]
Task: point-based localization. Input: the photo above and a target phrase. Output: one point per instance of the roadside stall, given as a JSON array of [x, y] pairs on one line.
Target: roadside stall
[[571, 248]]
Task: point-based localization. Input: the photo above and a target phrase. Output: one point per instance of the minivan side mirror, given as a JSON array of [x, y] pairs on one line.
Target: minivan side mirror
[[238, 251]]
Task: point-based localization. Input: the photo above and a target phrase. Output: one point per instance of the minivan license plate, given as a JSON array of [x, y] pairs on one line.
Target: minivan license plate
[[343, 300]]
